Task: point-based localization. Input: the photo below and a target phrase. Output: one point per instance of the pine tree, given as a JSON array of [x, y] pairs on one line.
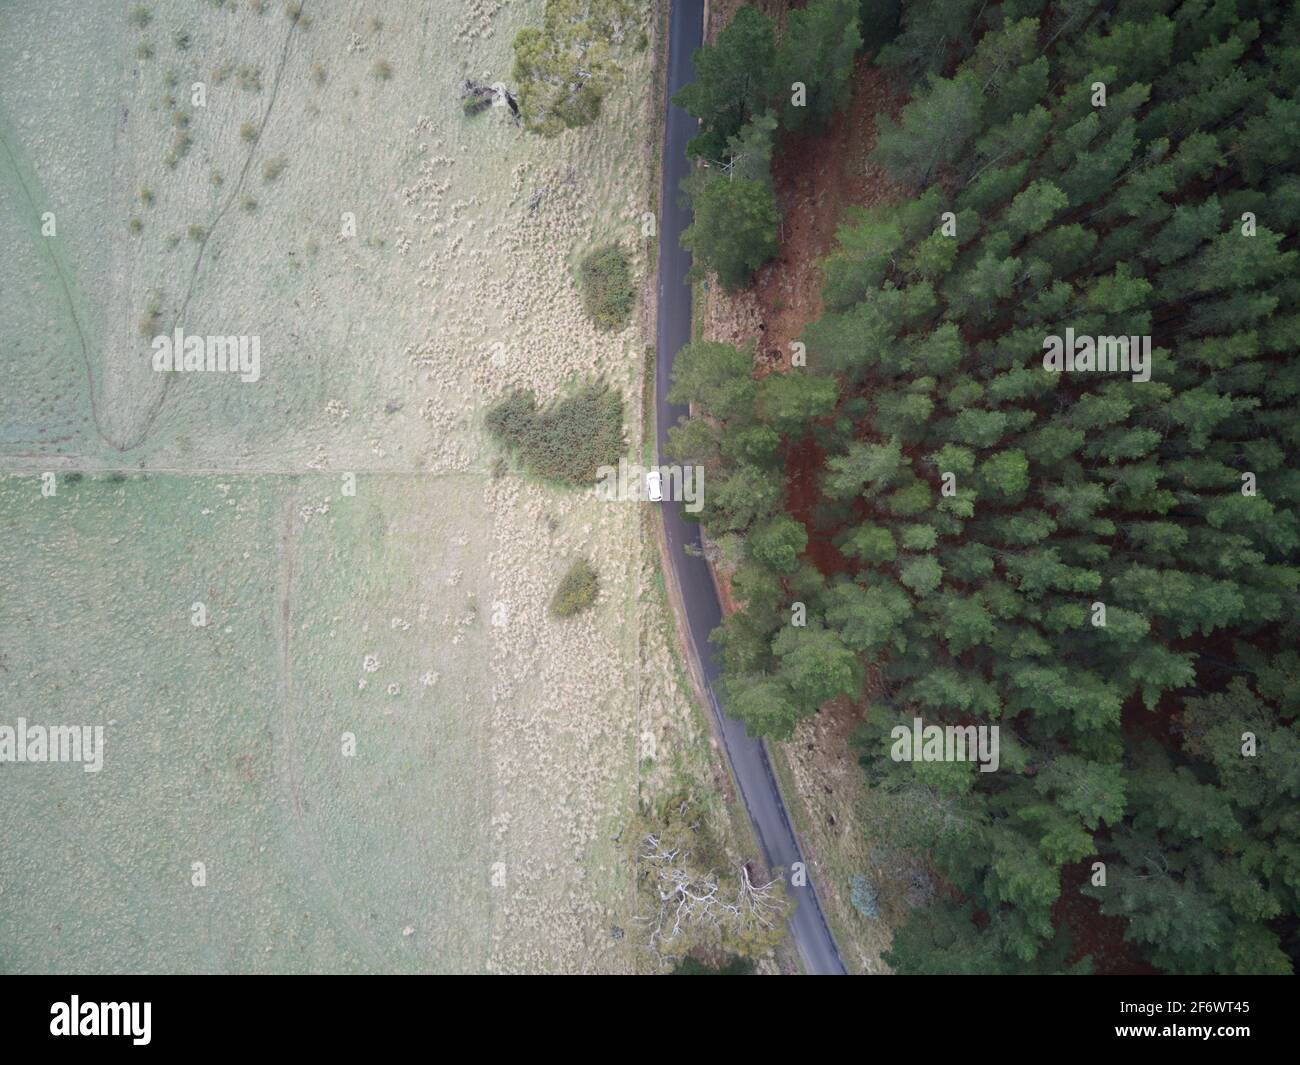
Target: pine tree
[[933, 129], [1061, 553], [733, 81], [817, 52], [734, 231]]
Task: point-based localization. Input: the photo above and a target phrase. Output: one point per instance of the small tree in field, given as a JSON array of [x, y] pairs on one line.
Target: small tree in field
[[577, 590]]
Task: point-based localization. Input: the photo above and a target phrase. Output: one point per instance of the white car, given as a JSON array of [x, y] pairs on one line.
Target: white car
[[654, 487]]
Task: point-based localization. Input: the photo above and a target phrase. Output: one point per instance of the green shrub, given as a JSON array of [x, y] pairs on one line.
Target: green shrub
[[733, 966], [864, 896], [273, 168], [569, 440], [249, 78], [879, 22], [605, 280], [181, 143], [565, 67], [577, 590]]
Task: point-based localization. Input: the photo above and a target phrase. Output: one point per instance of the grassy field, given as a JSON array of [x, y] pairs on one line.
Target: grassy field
[[226, 743], [377, 241], [330, 197]]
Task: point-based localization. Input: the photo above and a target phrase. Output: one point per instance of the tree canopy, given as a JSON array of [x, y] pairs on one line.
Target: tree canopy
[[979, 508]]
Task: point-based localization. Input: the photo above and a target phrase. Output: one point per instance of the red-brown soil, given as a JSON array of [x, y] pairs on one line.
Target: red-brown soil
[[817, 177]]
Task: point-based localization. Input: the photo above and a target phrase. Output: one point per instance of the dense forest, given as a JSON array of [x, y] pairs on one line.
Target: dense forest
[[1104, 566]]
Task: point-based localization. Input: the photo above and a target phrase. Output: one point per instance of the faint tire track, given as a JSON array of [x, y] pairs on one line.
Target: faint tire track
[[316, 866], [153, 411]]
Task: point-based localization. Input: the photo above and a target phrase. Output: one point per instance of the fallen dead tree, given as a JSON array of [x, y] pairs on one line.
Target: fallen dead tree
[[688, 904], [475, 97]]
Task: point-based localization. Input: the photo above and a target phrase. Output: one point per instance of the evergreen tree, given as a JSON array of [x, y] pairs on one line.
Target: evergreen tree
[[734, 231], [817, 52], [733, 81], [1068, 554]]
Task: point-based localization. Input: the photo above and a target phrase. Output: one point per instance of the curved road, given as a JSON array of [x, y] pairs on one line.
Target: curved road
[[748, 756]]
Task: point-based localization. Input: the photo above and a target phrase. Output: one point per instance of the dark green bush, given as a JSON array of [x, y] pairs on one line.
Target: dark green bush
[[577, 590], [733, 966], [567, 441], [605, 280], [879, 22]]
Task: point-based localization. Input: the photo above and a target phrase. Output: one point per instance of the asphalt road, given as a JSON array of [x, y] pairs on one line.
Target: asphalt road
[[748, 756]]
